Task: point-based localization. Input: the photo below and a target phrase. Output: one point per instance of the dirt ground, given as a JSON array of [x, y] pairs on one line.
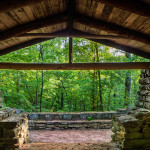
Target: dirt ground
[[70, 140], [70, 146], [70, 136]]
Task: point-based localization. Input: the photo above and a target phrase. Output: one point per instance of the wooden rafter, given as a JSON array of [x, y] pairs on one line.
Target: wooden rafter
[[21, 45], [74, 33], [76, 66], [64, 33], [125, 48], [112, 28], [40, 23], [135, 6], [7, 5]]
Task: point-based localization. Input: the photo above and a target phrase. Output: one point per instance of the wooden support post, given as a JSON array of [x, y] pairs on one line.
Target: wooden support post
[[76, 66], [70, 51]]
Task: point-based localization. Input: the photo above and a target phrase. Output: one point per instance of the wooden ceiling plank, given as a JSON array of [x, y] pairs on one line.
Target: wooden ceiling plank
[[37, 24], [112, 28], [106, 12], [7, 5], [75, 66], [29, 12], [38, 11], [125, 48], [130, 20], [134, 6], [99, 10]]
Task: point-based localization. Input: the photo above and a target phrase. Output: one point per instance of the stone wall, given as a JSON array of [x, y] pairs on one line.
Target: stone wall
[[74, 116], [13, 129], [53, 121], [132, 131], [64, 125], [144, 93]]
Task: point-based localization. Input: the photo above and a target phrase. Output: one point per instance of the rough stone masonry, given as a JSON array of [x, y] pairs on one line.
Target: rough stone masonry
[[132, 131], [13, 129]]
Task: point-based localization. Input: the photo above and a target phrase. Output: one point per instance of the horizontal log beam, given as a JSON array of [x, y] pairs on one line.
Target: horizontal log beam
[[125, 48], [7, 5], [75, 34], [33, 25], [112, 28], [21, 45], [76, 66], [135, 6]]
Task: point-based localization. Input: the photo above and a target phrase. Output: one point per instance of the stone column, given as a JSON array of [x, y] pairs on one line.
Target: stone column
[[132, 130], [1, 101], [144, 93]]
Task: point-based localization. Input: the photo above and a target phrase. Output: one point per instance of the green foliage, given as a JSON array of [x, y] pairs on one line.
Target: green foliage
[[66, 91], [89, 118]]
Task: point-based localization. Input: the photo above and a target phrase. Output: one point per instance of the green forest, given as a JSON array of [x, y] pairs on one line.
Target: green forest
[[69, 91]]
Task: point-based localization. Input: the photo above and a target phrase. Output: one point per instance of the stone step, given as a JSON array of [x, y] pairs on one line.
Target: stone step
[[65, 124]]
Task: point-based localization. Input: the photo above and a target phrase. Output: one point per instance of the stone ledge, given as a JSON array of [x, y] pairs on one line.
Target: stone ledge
[[74, 116]]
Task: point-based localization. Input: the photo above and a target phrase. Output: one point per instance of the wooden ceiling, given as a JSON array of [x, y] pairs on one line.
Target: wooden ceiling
[[122, 24]]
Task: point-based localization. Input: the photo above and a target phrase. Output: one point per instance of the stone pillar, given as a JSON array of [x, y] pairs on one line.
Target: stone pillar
[[13, 129], [144, 92], [132, 131], [1, 101]]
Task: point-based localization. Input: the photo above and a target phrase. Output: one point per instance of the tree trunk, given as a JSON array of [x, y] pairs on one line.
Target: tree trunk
[[42, 82], [100, 82], [36, 92], [41, 92], [62, 100], [127, 87]]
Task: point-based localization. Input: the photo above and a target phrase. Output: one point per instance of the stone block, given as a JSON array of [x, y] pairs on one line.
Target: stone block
[[137, 143], [146, 132], [133, 135]]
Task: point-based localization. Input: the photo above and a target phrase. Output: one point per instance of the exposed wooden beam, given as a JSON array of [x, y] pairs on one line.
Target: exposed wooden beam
[[76, 66], [74, 33], [112, 28], [70, 28], [135, 6], [125, 48], [70, 51], [21, 45], [40, 23], [71, 4], [7, 5]]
